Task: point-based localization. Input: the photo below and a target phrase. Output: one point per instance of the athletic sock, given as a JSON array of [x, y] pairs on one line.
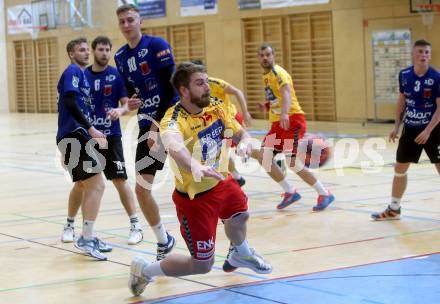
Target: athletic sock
[[161, 233]]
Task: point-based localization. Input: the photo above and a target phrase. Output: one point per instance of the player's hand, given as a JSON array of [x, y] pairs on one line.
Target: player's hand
[[244, 150], [133, 103], [393, 135], [153, 138], [114, 114], [99, 137], [247, 119], [284, 121], [207, 171], [422, 138]]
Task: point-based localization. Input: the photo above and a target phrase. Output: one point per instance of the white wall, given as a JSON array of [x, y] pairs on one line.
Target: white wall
[[4, 103]]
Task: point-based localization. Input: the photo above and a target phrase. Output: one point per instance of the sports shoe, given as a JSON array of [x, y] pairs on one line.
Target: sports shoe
[[135, 236], [227, 267], [241, 181], [387, 215], [68, 234], [289, 198], [164, 249], [324, 201], [103, 246], [137, 281], [90, 248], [254, 262]]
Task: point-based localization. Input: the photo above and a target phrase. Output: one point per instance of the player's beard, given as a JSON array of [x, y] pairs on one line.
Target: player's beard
[[101, 62], [202, 101]]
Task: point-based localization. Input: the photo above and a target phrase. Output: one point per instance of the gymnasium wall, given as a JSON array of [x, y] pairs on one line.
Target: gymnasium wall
[[352, 24], [4, 104]]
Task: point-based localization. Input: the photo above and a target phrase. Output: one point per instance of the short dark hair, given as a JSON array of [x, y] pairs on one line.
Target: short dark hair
[[126, 7], [70, 47], [183, 74], [266, 46], [101, 40], [422, 42]]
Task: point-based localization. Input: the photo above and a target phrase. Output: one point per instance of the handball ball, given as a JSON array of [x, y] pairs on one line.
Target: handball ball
[[314, 151]]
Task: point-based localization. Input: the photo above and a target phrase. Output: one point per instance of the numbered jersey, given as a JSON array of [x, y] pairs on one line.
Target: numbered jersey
[[420, 96], [204, 135], [72, 80], [139, 67], [107, 88], [273, 81]]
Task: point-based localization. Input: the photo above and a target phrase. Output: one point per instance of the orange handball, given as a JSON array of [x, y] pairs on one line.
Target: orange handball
[[313, 151]]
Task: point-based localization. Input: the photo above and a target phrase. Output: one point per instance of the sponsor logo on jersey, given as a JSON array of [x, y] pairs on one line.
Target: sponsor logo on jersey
[[150, 102], [100, 121], [142, 53], [110, 77], [75, 81], [429, 81], [172, 125], [163, 53], [145, 69], [107, 90], [427, 93], [206, 118], [150, 84]]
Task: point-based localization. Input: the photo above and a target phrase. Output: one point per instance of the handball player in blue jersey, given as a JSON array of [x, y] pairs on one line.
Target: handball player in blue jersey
[[76, 139], [109, 102], [146, 64], [418, 108]]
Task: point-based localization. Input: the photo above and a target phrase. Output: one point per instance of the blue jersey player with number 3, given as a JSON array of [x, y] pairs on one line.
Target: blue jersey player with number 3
[[418, 108], [146, 64]]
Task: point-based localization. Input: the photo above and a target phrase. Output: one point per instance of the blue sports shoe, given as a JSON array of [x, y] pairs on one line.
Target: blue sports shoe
[[164, 249], [90, 248], [324, 201], [289, 198]]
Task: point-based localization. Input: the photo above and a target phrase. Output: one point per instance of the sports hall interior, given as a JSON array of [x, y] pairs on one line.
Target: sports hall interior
[[335, 256]]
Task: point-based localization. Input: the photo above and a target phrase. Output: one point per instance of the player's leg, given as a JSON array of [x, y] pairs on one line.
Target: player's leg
[[75, 200], [233, 211], [234, 172]]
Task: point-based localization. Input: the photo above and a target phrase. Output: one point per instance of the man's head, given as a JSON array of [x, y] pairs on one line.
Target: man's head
[[266, 56], [421, 53], [129, 21], [78, 51], [101, 47], [191, 82]]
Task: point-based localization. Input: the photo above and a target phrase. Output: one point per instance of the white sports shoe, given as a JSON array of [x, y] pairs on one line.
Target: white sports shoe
[[137, 281], [254, 262], [68, 234], [135, 236]]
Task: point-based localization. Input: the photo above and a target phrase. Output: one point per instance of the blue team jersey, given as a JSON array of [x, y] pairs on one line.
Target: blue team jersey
[[107, 88], [420, 96], [72, 80], [139, 67]]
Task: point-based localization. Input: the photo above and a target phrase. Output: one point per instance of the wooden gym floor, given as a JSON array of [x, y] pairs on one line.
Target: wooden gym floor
[[335, 256]]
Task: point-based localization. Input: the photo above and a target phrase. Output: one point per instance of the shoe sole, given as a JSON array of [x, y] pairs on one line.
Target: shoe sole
[[66, 241], [384, 219], [135, 243], [227, 267], [103, 258], [239, 264]]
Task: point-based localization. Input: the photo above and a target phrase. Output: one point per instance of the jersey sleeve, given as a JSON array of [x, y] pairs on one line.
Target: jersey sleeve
[[401, 90], [229, 120], [217, 86], [120, 86], [71, 80], [169, 122], [283, 78], [162, 53]]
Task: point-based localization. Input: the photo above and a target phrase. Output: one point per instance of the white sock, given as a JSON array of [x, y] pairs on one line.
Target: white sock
[[153, 270], [243, 249], [87, 231], [319, 187], [395, 203], [236, 174], [161, 233], [286, 186], [70, 222]]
